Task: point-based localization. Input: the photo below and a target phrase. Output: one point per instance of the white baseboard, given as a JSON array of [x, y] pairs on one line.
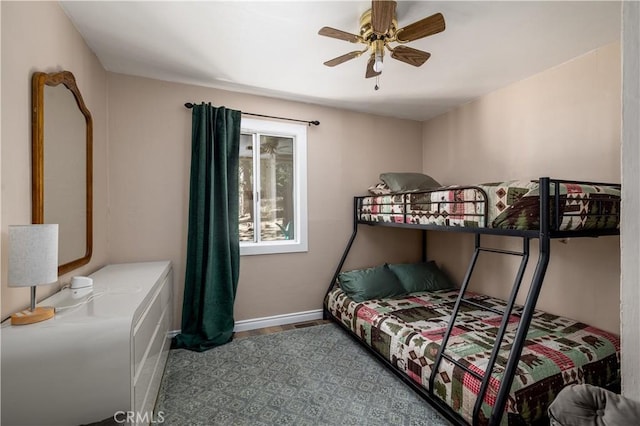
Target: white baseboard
[[252, 324]]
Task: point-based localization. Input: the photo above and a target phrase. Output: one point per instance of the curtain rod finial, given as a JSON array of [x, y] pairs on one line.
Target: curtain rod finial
[[315, 123], [188, 105]]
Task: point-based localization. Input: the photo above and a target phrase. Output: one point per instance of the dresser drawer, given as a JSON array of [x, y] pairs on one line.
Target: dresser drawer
[[146, 327], [147, 380]]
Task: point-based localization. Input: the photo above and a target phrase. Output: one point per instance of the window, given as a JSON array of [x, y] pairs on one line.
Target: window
[[273, 187]]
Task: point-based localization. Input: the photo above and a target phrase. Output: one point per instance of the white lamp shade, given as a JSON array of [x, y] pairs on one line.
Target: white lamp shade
[[33, 255]]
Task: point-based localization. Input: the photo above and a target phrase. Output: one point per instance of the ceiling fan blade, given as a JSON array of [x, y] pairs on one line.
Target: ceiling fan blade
[[344, 58], [382, 14], [422, 28], [370, 71], [339, 34], [410, 56]]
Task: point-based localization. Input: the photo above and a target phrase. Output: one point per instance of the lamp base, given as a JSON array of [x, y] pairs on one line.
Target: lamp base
[[41, 313]]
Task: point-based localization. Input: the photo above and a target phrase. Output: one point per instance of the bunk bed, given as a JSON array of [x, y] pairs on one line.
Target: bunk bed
[[473, 357]]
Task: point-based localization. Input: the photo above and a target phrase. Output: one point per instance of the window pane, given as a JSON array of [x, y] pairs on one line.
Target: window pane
[[276, 184], [246, 188], [273, 185]]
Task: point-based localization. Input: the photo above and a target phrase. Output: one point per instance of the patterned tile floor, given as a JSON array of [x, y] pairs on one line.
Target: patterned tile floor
[[306, 374]]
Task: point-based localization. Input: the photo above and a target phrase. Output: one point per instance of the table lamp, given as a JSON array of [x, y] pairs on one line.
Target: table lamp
[[33, 261]]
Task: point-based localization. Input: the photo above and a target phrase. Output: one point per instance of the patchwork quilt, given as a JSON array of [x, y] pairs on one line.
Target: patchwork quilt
[[504, 205], [408, 331]]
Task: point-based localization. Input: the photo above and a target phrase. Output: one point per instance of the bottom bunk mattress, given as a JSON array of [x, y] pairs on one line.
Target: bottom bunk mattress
[[408, 330]]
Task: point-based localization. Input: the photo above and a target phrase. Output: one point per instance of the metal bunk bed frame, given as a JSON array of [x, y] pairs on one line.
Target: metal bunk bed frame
[[550, 219]]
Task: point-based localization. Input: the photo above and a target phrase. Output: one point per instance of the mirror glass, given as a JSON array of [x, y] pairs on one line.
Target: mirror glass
[[62, 165]]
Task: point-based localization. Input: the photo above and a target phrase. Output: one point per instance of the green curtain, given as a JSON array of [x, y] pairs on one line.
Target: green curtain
[[213, 247]]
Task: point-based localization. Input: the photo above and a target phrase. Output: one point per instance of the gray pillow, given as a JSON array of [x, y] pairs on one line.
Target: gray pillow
[[417, 277], [584, 404], [401, 181], [372, 283]]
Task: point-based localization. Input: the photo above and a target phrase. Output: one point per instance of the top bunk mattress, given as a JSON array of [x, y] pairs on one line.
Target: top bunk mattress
[[511, 205]]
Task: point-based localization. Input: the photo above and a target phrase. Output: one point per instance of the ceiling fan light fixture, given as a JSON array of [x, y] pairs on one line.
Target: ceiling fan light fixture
[[378, 53], [377, 64]]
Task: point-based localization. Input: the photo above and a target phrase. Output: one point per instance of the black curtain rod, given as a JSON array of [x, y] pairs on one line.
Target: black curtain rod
[[315, 122]]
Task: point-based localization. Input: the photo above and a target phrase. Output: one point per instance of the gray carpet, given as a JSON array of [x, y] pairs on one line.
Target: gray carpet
[[310, 376]]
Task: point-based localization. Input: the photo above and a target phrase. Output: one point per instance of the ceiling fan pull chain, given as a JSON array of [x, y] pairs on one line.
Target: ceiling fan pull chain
[[376, 87]]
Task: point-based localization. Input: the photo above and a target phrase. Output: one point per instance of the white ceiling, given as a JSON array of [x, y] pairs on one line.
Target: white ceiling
[[273, 48]]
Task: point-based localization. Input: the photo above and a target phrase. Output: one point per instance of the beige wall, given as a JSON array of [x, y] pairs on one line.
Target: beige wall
[[38, 36], [149, 154], [564, 123]]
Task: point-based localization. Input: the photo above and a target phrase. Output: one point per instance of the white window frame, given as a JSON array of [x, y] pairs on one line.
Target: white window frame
[[298, 133]]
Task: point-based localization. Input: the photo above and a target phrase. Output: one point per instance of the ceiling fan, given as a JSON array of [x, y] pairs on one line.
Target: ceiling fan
[[379, 28]]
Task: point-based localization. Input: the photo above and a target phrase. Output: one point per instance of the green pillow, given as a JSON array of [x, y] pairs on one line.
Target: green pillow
[[372, 283], [416, 277], [408, 181]]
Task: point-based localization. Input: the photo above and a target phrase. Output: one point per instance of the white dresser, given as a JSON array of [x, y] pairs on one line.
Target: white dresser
[[102, 355]]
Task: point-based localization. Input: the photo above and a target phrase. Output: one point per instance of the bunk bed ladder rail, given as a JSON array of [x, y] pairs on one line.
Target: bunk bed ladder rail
[[531, 300], [506, 314], [503, 328]]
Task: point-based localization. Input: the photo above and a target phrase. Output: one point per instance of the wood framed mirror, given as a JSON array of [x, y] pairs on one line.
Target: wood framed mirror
[[62, 165]]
